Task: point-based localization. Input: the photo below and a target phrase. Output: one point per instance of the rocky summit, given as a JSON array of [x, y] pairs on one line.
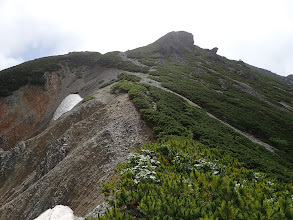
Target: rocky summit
[[175, 43], [164, 131]]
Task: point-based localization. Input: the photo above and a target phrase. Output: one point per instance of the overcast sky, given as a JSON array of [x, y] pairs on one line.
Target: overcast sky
[[259, 32]]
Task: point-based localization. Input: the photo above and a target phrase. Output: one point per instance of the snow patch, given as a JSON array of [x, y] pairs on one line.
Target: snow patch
[[59, 212], [66, 105]]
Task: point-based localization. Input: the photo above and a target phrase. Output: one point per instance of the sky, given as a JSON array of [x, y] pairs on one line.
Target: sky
[[259, 32]]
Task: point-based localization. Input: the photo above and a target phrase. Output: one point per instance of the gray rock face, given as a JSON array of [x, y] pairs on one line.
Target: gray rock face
[[67, 163], [223, 84], [248, 76], [175, 43], [198, 70]]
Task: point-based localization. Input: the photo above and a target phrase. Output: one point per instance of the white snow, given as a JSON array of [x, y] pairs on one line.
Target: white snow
[[66, 105], [59, 212]]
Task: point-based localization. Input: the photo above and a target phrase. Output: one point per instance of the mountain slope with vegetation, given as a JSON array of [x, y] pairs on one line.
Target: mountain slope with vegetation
[[232, 91], [198, 167], [183, 179]]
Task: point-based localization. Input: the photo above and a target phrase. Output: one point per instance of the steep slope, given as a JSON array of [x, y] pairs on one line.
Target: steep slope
[[32, 144], [189, 92], [253, 101], [183, 179], [30, 109], [67, 163], [145, 79]]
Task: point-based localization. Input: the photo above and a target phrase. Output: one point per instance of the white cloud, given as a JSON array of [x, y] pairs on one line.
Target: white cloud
[[6, 62], [25, 34], [254, 31]]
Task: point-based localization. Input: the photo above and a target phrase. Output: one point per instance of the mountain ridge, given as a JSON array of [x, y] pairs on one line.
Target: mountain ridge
[[176, 77]]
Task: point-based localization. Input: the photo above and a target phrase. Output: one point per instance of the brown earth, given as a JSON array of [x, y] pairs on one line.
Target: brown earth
[[19, 116]]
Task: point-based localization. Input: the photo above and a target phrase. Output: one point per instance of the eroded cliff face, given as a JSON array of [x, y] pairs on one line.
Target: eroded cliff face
[[44, 163], [29, 110], [21, 113], [66, 163]]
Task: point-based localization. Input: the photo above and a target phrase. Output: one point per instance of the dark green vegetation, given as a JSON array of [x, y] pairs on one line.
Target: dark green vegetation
[[169, 115], [239, 109], [250, 99], [179, 178], [87, 98], [128, 77], [32, 72], [200, 168], [113, 60], [182, 179], [122, 76]]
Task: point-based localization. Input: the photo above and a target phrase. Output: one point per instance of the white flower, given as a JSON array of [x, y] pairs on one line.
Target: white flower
[[270, 183]]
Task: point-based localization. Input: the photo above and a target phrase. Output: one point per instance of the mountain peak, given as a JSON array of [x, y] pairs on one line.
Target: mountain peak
[[175, 42]]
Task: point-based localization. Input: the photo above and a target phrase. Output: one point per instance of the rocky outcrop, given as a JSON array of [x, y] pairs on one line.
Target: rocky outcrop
[[214, 50], [288, 80], [198, 70], [245, 75], [175, 43], [223, 84], [66, 163]]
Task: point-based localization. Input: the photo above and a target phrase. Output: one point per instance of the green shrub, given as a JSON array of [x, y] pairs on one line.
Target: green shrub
[[183, 179], [129, 77], [13, 78], [279, 143], [136, 93], [141, 103], [174, 117], [238, 108], [36, 77], [125, 87], [107, 83], [113, 60]]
